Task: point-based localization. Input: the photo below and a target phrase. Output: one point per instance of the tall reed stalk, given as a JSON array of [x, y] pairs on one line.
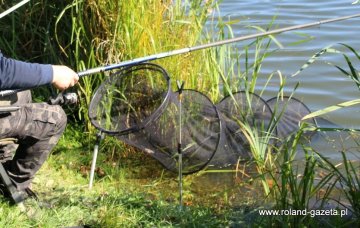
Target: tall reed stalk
[[103, 32], [296, 184]]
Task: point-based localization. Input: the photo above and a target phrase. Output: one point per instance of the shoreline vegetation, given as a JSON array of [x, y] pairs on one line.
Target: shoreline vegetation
[[131, 189]]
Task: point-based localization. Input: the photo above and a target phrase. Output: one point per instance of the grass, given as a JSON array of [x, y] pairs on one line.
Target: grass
[[122, 196]]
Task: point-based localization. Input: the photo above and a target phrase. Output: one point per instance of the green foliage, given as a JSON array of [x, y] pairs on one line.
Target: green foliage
[[296, 187], [114, 201], [352, 73], [347, 174]]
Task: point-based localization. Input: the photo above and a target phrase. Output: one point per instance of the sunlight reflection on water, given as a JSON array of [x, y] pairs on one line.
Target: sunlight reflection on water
[[321, 85]]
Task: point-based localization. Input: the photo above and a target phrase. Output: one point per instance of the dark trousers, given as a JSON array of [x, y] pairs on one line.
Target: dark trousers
[[37, 128]]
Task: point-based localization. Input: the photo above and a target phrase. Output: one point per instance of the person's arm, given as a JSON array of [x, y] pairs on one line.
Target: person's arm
[[16, 74]]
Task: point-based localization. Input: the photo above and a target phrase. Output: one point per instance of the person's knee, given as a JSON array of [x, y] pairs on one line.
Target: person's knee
[[51, 119], [60, 118], [39, 121]]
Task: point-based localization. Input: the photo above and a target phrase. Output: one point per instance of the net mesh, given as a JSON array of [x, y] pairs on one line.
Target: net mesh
[[130, 99], [239, 111], [289, 111], [137, 105], [199, 129]]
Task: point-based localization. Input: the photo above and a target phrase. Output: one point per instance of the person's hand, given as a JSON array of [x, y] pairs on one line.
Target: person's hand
[[64, 77]]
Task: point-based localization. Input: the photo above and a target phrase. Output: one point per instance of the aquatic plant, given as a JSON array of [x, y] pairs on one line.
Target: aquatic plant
[[296, 190], [346, 172]]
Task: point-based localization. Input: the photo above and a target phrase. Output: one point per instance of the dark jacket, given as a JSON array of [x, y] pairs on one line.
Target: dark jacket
[[16, 74]]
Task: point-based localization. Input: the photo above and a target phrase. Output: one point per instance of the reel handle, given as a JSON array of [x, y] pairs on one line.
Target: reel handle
[[64, 99]]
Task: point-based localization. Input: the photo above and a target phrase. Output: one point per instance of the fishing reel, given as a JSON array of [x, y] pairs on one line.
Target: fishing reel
[[64, 99]]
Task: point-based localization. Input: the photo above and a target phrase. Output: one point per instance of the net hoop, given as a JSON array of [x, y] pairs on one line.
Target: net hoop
[[200, 139], [287, 122], [265, 106], [121, 73], [234, 146], [186, 170]]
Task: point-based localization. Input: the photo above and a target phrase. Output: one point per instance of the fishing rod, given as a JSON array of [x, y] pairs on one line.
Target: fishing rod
[[11, 9], [209, 45], [196, 48]]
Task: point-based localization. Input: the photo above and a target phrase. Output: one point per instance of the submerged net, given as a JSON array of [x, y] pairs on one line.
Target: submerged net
[[241, 114], [199, 129], [289, 112], [137, 105]]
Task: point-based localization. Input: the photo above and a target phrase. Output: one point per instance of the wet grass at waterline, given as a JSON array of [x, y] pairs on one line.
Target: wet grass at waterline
[[132, 190]]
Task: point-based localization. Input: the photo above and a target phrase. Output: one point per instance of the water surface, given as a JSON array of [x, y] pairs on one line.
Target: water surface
[[321, 85]]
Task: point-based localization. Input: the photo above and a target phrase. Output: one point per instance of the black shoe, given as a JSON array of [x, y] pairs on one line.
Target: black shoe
[[16, 196], [8, 189], [13, 195]]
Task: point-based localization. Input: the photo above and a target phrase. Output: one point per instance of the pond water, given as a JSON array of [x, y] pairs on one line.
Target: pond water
[[321, 85]]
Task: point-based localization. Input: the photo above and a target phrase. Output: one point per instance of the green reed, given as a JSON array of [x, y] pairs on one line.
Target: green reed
[[109, 32], [86, 34], [346, 172], [286, 182], [348, 178], [89, 33], [296, 189], [297, 186]]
